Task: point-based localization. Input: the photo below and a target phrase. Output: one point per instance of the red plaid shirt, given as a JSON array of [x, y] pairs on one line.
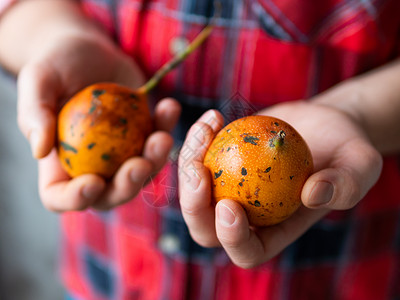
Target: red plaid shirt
[[262, 52]]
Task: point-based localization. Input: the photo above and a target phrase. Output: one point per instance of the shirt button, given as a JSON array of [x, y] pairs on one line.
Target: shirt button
[[177, 44], [169, 243]]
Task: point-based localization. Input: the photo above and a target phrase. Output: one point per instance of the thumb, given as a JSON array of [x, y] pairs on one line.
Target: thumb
[[354, 169], [38, 87]]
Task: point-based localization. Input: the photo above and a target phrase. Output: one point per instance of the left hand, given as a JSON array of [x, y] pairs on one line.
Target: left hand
[[346, 167]]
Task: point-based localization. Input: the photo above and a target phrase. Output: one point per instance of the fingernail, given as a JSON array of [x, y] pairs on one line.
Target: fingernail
[[321, 194], [91, 191], [34, 142], [226, 216], [137, 175]]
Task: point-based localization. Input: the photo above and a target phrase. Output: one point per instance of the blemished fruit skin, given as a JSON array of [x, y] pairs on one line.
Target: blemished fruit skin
[[261, 162], [100, 127]]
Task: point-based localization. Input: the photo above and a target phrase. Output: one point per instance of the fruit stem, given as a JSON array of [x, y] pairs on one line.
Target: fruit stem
[[278, 139], [176, 60]]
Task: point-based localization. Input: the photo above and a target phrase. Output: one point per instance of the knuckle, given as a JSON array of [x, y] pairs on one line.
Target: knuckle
[[190, 209], [230, 242], [349, 191], [374, 161]]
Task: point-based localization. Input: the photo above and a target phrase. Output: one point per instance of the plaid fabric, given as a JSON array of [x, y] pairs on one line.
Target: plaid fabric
[[262, 52]]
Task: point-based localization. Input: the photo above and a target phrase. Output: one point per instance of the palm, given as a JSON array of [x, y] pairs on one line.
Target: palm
[[62, 68], [325, 130], [78, 64]]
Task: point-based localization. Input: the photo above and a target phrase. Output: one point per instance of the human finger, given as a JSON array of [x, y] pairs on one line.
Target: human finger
[[59, 193], [194, 182], [354, 170], [125, 184], [249, 247], [38, 89], [166, 114]]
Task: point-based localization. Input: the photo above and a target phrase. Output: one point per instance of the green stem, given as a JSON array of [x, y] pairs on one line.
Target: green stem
[[176, 60], [277, 141]]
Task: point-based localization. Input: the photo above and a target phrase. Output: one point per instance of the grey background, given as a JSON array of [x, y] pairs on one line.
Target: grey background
[[29, 234]]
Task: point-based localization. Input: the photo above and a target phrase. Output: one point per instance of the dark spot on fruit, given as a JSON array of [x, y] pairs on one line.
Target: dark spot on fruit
[[91, 145], [92, 108], [96, 93], [273, 131], [229, 148], [68, 162], [123, 121], [228, 130], [276, 123], [216, 175], [244, 171], [68, 147], [267, 170], [280, 204], [250, 139], [257, 203], [249, 202], [133, 96], [105, 157], [256, 192], [241, 183], [291, 177]]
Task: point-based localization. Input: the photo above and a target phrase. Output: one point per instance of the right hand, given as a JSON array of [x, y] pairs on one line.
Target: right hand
[[346, 166], [62, 67]]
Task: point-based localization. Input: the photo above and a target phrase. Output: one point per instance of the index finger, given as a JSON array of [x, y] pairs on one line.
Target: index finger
[[194, 184]]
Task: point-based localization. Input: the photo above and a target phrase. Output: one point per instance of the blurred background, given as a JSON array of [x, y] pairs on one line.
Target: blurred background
[[28, 233]]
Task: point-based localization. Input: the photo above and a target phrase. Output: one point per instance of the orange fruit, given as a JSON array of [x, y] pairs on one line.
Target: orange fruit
[[100, 127], [106, 123], [261, 162]]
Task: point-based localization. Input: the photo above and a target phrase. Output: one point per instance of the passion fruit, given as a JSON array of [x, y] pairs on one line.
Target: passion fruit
[[261, 162], [100, 127], [106, 123]]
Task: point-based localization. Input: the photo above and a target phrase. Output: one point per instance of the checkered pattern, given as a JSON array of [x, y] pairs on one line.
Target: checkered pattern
[[262, 52]]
